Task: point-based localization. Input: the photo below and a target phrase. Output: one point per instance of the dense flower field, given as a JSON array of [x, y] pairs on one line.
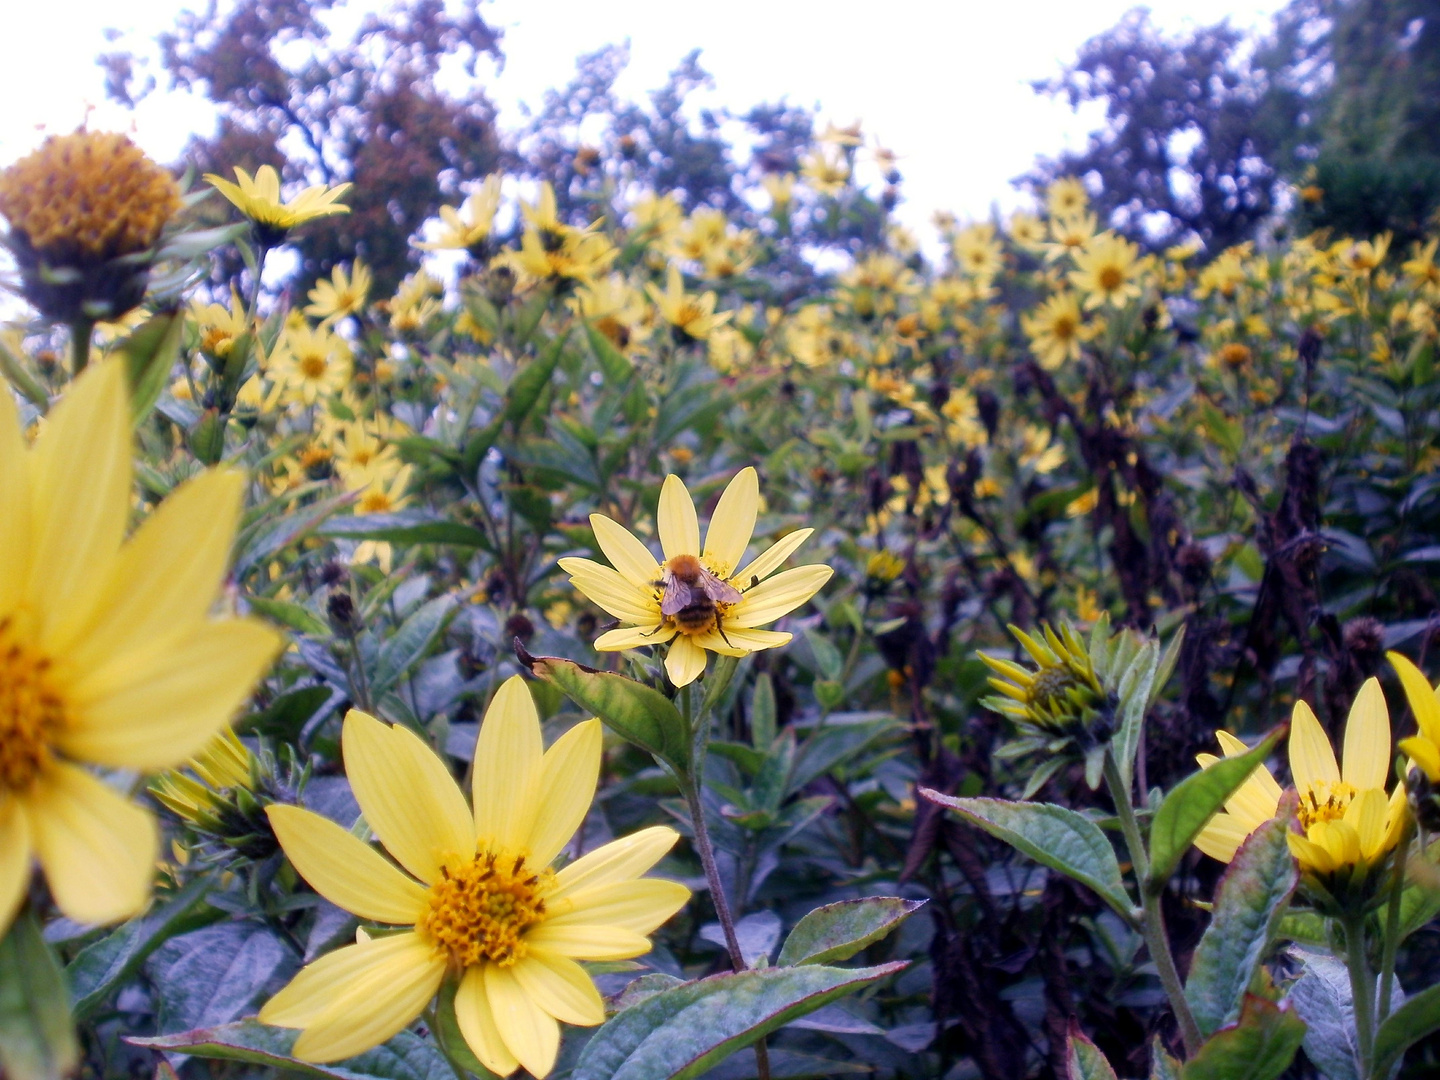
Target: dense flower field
[[620, 653]]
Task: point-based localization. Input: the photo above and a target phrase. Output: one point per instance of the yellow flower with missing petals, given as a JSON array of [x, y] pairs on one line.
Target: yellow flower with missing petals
[[692, 316], [476, 888], [108, 654], [639, 590], [1347, 821], [468, 229], [259, 200]]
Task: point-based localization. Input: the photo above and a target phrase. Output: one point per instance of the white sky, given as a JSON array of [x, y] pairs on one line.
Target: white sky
[[945, 85]]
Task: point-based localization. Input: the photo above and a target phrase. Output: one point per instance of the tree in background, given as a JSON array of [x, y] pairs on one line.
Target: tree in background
[[290, 94]]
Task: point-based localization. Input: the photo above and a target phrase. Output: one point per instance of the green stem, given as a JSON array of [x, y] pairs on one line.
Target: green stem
[[1362, 987], [1152, 922], [80, 333], [1392, 921]]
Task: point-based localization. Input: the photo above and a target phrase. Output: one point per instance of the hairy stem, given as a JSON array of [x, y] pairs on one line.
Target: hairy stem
[[1152, 922]]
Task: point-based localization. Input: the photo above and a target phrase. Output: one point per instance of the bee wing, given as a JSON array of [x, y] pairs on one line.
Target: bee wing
[[722, 592], [675, 597]]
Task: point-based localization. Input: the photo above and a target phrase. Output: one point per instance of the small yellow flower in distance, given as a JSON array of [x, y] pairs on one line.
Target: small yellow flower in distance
[[1066, 197], [1054, 330], [475, 886], [697, 599], [826, 173], [1423, 749], [344, 294], [1346, 819], [1068, 235], [692, 316], [313, 363], [259, 200], [1105, 270], [108, 653], [221, 326], [781, 189], [468, 229]]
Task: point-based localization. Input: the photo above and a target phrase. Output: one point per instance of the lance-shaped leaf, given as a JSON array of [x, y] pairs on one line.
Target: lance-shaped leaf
[[149, 355], [1194, 802], [1259, 1047], [530, 381], [640, 714], [1249, 904], [1404, 1027], [681, 1033], [615, 364], [405, 1057], [839, 931], [1083, 1059], [1133, 694], [1052, 835], [37, 1039], [410, 642]]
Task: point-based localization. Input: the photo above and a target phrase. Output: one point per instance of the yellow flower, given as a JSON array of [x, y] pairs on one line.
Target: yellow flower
[[221, 326], [1066, 197], [1346, 819], [1063, 694], [342, 295], [1069, 235], [825, 172], [486, 910], [693, 316], [314, 363], [1054, 329], [259, 200], [1105, 270], [108, 655], [576, 256], [1027, 231], [781, 189], [638, 588], [469, 228], [977, 252], [1423, 749]]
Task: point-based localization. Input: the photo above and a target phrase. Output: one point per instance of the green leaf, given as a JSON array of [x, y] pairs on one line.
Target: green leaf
[[1323, 999], [17, 372], [1083, 1059], [827, 656], [772, 779], [1133, 693], [641, 715], [762, 712], [37, 1038], [1053, 836], [1407, 1025], [1249, 904], [405, 527], [1193, 802], [149, 354], [289, 614], [410, 642], [1260, 1047], [405, 1057], [531, 380], [839, 931], [103, 966], [218, 973], [285, 717], [615, 364], [1162, 1065], [681, 1033]]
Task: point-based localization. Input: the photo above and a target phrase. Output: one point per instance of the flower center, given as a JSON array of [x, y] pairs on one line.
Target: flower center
[[1111, 278], [1050, 684], [31, 713], [1064, 329], [1327, 800], [313, 365], [374, 502], [478, 910]]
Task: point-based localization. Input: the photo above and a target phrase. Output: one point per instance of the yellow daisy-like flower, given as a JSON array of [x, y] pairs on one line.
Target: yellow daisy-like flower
[[1105, 270], [108, 654], [1422, 749], [468, 228], [344, 294], [220, 327], [485, 908], [724, 606], [1066, 197], [1055, 330], [259, 200], [693, 316], [1346, 819], [313, 364]]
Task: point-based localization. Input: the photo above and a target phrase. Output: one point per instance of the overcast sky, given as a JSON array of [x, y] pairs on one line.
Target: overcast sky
[[944, 85]]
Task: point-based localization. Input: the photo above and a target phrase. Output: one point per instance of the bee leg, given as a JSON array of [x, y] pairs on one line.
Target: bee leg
[[721, 630], [652, 633]]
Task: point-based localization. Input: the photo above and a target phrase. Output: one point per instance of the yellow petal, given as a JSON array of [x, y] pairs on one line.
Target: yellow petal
[[98, 849], [769, 561], [778, 596], [685, 662], [1424, 702], [1312, 760], [382, 1002], [344, 869], [14, 505], [530, 1033], [625, 552], [560, 987], [1366, 760], [1423, 753], [613, 592], [581, 942], [640, 905], [1366, 815], [407, 795], [319, 985], [1339, 838], [1222, 836], [1311, 855], [507, 769], [568, 776], [167, 575], [732, 523], [676, 521], [154, 715], [1397, 815], [747, 640], [633, 637], [81, 500], [1234, 747], [716, 642], [620, 860], [14, 857], [477, 1024]]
